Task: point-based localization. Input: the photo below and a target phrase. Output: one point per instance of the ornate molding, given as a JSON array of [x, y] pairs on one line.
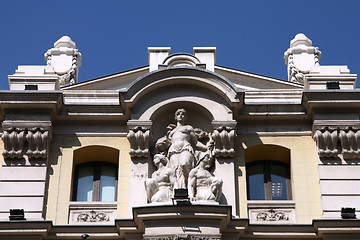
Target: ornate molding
[[102, 213], [38, 140], [295, 74], [65, 60], [272, 215], [326, 139], [224, 136], [272, 211], [335, 138], [14, 139], [350, 142], [32, 142], [93, 216], [183, 237], [139, 136], [300, 57]]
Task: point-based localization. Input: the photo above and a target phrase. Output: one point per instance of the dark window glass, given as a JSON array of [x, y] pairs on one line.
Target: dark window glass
[[95, 182], [268, 180], [256, 181]]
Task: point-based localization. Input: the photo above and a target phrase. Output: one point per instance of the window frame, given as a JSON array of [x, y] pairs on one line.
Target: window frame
[[267, 178], [96, 166]]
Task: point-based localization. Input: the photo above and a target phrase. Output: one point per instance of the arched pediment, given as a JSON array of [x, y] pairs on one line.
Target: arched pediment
[[181, 59], [181, 84]]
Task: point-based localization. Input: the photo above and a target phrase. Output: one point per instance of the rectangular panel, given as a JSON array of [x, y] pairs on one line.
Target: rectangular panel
[[339, 171], [340, 187], [21, 188], [26, 203], [22, 173], [337, 202]]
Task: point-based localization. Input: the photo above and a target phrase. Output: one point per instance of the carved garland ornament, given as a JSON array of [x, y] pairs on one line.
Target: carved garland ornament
[[327, 138], [93, 216], [16, 139], [182, 237], [272, 215]]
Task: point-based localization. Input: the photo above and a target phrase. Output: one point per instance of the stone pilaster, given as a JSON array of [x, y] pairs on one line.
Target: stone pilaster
[[139, 135], [223, 135], [339, 158], [23, 173]]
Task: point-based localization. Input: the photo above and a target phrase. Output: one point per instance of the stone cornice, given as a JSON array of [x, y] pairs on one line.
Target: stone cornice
[[334, 99], [227, 225], [31, 100]]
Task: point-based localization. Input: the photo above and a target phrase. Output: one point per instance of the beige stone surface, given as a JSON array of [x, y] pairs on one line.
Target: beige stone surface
[[61, 173], [303, 169]]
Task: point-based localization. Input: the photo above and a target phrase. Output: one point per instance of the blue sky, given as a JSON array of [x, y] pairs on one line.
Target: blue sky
[[113, 36]]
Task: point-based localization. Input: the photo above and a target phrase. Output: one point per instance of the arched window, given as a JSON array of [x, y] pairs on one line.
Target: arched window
[[95, 182], [268, 173], [95, 174]]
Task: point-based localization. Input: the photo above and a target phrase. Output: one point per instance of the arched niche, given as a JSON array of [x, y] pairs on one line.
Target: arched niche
[[197, 116], [180, 81], [182, 96]]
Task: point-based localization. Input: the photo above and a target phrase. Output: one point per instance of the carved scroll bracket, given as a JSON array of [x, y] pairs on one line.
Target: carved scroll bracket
[[326, 139], [139, 136], [347, 134], [350, 142], [31, 139], [224, 133]]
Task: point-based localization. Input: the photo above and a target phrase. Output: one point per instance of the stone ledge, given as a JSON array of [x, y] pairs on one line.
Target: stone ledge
[[271, 212], [103, 213]]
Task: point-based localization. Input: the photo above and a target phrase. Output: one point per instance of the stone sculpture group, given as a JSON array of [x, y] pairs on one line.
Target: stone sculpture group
[[183, 159]]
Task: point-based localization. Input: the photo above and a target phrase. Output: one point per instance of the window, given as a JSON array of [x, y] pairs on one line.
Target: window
[[95, 181], [268, 172], [95, 173], [268, 180]]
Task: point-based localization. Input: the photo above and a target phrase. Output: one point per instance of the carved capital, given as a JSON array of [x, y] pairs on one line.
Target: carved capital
[[139, 136], [23, 138], [326, 139], [14, 139], [350, 142], [38, 140], [224, 136]]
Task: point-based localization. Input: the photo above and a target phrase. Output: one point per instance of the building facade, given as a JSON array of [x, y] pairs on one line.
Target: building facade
[[180, 149]]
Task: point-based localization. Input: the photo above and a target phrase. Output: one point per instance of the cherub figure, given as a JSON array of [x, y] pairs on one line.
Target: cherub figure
[[159, 187], [203, 185]]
